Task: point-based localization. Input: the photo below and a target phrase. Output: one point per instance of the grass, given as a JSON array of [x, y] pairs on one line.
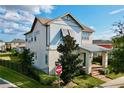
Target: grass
[[87, 81], [19, 79], [47, 79], [97, 63], [9, 56], [4, 54], [114, 75]]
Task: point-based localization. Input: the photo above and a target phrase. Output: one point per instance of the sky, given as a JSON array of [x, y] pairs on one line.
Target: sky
[[16, 20]]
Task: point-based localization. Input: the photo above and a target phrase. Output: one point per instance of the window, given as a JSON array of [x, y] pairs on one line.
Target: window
[[32, 39], [85, 36], [35, 38], [26, 40], [36, 56], [46, 59]]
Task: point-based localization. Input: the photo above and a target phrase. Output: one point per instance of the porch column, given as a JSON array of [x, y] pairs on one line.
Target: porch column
[[105, 59], [89, 57]]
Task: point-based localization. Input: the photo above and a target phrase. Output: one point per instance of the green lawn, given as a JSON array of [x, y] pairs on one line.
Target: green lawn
[[9, 56], [114, 76], [83, 81], [87, 81], [19, 79]]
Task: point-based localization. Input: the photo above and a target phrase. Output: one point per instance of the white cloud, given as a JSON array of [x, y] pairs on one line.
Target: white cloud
[[12, 15], [2, 10], [92, 27], [47, 8], [35, 9], [116, 11], [18, 19], [7, 30]]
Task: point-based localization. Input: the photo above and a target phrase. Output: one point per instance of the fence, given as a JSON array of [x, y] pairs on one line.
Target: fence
[[31, 72]]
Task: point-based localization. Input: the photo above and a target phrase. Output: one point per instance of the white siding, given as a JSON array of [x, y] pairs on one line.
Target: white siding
[[57, 25], [53, 57], [39, 46]]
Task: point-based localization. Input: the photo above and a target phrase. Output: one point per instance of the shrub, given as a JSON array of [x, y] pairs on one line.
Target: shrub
[[46, 79], [104, 71], [14, 52]]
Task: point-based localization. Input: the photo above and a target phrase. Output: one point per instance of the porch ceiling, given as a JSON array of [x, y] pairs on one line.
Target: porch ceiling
[[94, 48]]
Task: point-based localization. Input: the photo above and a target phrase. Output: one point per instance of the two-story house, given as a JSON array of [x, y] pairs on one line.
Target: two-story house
[[46, 34]]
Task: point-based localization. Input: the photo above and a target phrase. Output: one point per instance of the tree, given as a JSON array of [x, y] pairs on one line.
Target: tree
[[69, 58], [26, 59], [118, 48], [118, 28], [14, 52]]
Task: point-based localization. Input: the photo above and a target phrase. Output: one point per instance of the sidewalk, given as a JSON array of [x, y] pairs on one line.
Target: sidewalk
[[6, 84], [116, 83]]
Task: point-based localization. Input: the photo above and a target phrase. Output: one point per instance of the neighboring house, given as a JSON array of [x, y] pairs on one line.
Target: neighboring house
[[46, 34], [2, 46], [8, 46], [18, 44], [103, 43]]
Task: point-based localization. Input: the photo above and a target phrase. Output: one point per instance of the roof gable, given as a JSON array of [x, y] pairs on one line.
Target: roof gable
[[84, 28], [46, 21], [66, 16]]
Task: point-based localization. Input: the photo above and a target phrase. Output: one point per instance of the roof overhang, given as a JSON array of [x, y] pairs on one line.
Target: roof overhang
[[94, 48]]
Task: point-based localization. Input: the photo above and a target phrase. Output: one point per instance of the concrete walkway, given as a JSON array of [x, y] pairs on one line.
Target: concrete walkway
[[95, 73], [116, 83], [6, 84]]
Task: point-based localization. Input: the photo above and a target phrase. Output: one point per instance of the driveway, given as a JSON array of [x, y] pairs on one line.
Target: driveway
[[6, 84], [116, 83]]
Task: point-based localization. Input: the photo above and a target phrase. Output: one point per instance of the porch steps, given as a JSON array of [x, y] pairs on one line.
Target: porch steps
[[96, 74]]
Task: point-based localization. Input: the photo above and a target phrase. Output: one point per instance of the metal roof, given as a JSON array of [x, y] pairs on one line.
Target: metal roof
[[102, 42], [94, 48]]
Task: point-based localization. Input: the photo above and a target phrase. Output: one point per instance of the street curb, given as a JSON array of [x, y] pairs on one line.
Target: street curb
[[13, 85]]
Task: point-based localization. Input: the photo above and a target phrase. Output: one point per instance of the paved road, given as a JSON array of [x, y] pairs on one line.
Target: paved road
[[116, 83], [6, 84]]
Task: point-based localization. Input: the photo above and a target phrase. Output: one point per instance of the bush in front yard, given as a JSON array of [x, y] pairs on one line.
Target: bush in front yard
[[104, 71], [14, 52]]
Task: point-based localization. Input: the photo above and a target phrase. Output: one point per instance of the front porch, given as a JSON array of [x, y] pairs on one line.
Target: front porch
[[87, 52]]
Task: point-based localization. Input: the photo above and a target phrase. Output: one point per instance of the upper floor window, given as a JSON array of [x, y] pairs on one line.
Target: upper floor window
[[85, 36], [32, 39], [35, 38]]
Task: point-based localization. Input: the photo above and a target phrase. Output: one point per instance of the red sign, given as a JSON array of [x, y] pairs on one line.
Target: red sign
[[58, 70]]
